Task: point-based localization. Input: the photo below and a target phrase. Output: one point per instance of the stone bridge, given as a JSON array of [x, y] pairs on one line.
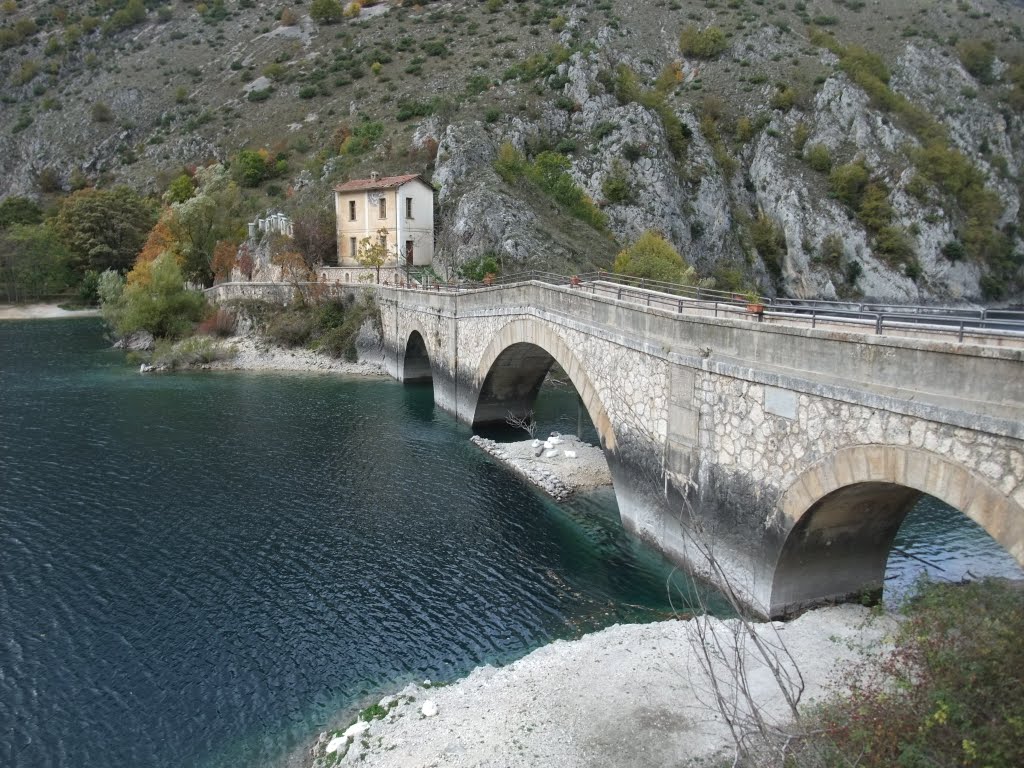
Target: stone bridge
[[775, 459]]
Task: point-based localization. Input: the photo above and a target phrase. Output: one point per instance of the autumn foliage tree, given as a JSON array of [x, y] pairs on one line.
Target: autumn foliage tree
[[224, 259]]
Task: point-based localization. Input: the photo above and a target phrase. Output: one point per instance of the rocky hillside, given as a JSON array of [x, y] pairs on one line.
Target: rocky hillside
[[832, 148]]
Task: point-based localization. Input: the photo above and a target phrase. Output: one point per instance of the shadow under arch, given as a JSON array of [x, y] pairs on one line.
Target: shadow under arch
[[416, 367], [512, 370], [844, 512]]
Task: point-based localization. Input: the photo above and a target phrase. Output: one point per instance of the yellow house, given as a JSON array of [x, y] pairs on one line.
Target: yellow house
[[397, 209]]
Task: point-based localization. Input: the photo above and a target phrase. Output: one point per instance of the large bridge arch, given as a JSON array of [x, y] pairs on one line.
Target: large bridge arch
[[512, 369], [416, 366], [841, 515]]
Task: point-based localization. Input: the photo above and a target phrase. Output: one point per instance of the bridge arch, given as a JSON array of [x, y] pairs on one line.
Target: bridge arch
[[512, 369], [842, 514], [416, 360]]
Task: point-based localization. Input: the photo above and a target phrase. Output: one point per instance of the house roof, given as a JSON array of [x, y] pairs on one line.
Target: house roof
[[383, 182]]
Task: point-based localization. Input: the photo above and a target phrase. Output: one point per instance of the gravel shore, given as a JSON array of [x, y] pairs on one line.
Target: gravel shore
[[41, 312], [253, 355], [630, 695], [565, 465]]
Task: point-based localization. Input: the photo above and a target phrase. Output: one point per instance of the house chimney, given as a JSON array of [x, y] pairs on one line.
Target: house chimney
[[374, 176]]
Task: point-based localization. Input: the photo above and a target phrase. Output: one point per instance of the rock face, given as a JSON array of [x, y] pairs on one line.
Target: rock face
[[712, 151]]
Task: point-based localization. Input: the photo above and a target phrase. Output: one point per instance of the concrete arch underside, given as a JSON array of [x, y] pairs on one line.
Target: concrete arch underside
[[416, 360], [843, 514], [512, 369]]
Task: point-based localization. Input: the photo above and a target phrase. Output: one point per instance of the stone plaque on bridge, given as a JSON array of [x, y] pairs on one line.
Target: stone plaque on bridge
[[780, 402]]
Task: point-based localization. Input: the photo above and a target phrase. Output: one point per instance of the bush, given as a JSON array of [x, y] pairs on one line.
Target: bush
[[476, 269], [874, 211], [221, 323], [953, 250], [830, 252], [616, 186], [951, 693], [702, 44], [653, 257], [509, 163], [847, 183], [977, 56], [819, 158], [195, 350], [290, 329]]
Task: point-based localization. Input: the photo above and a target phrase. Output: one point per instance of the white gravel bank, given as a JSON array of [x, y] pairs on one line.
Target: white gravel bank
[[630, 695], [566, 464], [253, 355], [41, 312]]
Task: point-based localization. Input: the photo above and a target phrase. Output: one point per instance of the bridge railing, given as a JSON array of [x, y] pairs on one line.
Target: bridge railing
[[865, 316]]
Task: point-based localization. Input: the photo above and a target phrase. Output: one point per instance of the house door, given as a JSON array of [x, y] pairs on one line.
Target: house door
[[408, 252]]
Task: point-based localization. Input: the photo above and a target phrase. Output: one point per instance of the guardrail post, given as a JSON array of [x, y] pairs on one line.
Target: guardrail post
[[960, 336], [618, 294], [680, 306], [878, 324]]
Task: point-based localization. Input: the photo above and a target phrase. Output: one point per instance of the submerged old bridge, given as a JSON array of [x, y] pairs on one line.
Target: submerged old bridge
[[779, 456], [776, 454]]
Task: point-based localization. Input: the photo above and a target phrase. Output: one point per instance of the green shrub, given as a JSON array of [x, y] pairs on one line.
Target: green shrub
[[653, 257], [478, 268], [195, 350], [702, 44], [800, 135], [784, 98], [819, 158], [847, 183], [977, 56], [953, 250], [874, 211], [894, 245], [616, 187], [951, 692], [509, 163], [830, 252], [290, 329]]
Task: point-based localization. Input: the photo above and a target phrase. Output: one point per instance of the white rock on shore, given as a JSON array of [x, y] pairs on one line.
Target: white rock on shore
[[574, 466], [630, 695]]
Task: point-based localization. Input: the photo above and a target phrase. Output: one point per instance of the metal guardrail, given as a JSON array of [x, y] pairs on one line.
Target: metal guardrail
[[868, 316]]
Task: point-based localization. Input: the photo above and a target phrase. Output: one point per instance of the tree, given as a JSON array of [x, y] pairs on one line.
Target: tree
[[180, 190], [653, 257], [209, 216], [33, 262], [104, 228], [19, 210], [314, 236], [155, 299], [326, 11], [224, 259], [373, 252]]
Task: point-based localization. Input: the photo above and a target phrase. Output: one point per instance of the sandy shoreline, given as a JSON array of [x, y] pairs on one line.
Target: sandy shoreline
[[629, 695], [41, 312]]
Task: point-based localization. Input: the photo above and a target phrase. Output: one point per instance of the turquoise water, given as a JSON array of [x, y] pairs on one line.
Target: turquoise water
[[206, 569]]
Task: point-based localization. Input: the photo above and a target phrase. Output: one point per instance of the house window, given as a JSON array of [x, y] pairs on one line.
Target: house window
[[383, 206], [351, 210], [353, 247], [408, 207]]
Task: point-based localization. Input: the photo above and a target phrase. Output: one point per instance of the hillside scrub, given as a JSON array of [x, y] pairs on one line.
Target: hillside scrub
[[951, 693], [652, 257], [330, 326]]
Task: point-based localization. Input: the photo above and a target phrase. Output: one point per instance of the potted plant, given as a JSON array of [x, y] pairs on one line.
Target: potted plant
[[755, 305]]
